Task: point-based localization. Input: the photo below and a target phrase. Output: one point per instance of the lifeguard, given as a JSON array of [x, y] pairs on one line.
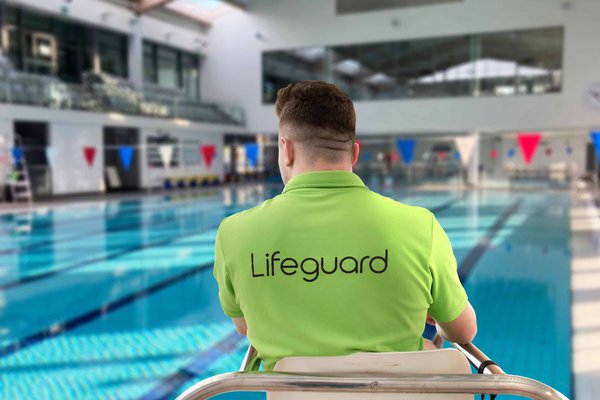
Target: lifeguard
[[329, 267]]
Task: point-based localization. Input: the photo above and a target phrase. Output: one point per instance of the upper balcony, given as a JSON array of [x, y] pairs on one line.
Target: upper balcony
[[107, 94]]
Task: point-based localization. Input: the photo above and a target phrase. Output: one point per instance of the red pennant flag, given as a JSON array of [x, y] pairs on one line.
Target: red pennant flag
[[493, 154], [395, 157], [441, 155], [208, 152], [528, 143], [90, 154]]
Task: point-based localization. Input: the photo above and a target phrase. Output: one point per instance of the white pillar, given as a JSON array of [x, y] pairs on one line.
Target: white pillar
[[135, 60], [473, 167]]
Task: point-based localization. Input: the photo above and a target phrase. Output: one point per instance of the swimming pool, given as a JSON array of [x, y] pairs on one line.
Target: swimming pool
[[116, 300]]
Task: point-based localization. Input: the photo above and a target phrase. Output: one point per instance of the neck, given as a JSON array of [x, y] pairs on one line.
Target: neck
[[301, 168]]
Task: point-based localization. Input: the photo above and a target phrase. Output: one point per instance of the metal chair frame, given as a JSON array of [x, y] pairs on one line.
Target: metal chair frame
[[492, 380]]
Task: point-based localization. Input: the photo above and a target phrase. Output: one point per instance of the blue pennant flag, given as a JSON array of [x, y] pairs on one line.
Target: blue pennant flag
[[366, 156], [596, 140], [17, 153], [126, 153], [406, 147], [457, 155], [251, 154], [511, 153]]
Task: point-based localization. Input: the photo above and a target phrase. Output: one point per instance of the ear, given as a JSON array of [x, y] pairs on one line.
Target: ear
[[288, 150], [355, 152]]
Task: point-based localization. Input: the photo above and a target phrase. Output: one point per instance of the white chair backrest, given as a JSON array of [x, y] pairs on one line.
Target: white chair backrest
[[440, 362]]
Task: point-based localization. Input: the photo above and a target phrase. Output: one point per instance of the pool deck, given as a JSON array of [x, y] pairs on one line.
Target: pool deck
[[585, 292]]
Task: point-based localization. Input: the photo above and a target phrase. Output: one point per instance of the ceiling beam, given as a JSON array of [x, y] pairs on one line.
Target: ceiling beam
[[144, 6]]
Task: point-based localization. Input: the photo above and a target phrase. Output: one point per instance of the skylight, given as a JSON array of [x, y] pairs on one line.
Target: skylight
[[206, 11]]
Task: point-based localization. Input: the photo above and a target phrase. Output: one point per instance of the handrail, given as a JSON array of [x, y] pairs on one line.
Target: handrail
[[249, 359], [476, 357], [430, 384]]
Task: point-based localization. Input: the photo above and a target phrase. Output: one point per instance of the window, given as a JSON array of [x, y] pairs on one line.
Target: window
[[150, 74], [356, 6], [506, 63], [112, 50], [46, 45], [167, 68], [520, 62], [282, 67], [189, 75], [172, 68]]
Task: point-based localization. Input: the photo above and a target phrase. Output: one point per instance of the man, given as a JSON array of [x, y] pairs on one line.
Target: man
[[329, 267]]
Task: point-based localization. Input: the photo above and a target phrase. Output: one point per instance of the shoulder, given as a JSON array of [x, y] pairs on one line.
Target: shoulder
[[239, 221], [398, 208]]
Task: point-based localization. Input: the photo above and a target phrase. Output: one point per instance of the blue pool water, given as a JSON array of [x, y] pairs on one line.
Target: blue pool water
[[116, 300]]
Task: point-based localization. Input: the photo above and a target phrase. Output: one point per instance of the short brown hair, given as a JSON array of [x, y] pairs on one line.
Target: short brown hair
[[320, 116]]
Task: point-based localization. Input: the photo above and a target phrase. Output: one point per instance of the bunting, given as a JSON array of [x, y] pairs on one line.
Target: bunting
[[17, 154], [89, 153], [208, 152], [528, 143], [465, 146], [595, 136], [166, 154], [126, 155], [251, 154], [406, 147]]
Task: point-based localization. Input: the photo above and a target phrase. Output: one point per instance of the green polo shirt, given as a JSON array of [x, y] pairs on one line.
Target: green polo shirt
[[331, 268]]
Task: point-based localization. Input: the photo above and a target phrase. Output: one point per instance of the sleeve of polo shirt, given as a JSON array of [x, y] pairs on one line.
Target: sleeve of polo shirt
[[449, 296], [229, 303]]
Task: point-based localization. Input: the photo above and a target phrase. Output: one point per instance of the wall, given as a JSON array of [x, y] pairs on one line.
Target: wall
[[232, 69], [70, 131], [71, 173]]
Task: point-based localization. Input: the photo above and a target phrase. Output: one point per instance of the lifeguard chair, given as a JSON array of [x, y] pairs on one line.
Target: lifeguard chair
[[442, 374]]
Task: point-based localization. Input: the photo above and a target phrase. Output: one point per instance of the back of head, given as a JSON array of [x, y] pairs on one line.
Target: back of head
[[319, 118]]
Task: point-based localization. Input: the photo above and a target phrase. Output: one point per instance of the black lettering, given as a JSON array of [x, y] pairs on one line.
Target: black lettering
[[355, 269], [254, 275], [334, 266], [267, 263], [273, 259], [385, 263], [314, 272], [293, 265], [361, 263]]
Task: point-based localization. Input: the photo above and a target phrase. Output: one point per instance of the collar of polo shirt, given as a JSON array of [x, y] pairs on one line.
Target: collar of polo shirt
[[324, 179]]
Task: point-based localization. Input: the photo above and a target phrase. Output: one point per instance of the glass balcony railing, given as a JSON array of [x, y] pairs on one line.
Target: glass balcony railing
[[104, 93]]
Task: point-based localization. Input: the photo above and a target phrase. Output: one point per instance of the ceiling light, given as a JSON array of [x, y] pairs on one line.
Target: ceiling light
[[348, 67]]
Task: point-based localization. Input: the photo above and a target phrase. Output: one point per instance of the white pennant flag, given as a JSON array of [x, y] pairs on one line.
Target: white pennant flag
[[166, 154], [51, 155], [465, 146]]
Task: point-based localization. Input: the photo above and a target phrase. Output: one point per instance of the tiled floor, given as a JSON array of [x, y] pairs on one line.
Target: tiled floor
[[585, 286]]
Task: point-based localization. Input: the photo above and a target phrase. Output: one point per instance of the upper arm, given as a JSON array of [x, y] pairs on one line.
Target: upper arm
[[449, 298], [450, 307], [223, 277], [463, 328]]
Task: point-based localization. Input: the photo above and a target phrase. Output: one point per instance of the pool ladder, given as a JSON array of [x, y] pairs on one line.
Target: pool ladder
[[491, 380]]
